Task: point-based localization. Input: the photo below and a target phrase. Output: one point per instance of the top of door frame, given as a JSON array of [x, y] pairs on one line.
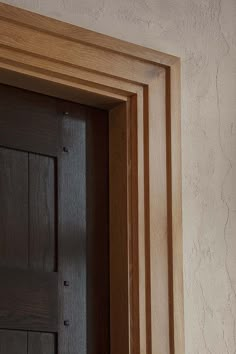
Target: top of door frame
[[86, 36], [66, 61]]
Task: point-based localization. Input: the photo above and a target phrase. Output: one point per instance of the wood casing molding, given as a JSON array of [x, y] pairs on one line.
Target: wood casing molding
[[141, 89]]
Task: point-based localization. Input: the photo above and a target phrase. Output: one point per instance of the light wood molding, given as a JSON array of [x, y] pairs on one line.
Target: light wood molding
[[141, 89]]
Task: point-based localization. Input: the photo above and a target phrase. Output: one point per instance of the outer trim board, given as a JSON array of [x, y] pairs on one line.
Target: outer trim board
[[141, 89]]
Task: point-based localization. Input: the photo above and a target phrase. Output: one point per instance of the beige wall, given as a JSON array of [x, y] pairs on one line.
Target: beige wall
[[203, 34]]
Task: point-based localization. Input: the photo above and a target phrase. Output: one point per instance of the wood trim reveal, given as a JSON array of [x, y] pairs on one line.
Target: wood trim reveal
[[141, 89]]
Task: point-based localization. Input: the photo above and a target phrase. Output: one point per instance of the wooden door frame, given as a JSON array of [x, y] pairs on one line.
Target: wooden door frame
[[141, 89]]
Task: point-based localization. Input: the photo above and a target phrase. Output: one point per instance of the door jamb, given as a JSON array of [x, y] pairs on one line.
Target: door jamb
[[141, 89]]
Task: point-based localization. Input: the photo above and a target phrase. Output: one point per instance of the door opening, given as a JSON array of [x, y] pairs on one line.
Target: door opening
[[54, 221]]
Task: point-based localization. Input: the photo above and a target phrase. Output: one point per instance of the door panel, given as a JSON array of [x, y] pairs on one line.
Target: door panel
[[54, 259], [14, 208], [28, 300], [41, 343], [42, 201], [13, 342], [28, 121]]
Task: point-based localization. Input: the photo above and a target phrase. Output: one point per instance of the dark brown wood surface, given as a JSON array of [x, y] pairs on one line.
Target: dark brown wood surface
[[41, 343], [54, 226], [28, 300], [97, 184], [119, 240], [28, 121], [42, 222], [13, 208], [72, 235], [83, 177], [13, 342]]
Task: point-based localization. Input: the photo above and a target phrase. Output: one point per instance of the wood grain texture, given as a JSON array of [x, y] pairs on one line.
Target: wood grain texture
[[76, 53], [86, 36], [175, 200], [42, 201], [13, 342], [28, 300], [38, 131], [158, 232], [83, 230], [14, 208], [72, 233], [139, 247], [41, 343], [110, 90], [83, 60], [73, 87]]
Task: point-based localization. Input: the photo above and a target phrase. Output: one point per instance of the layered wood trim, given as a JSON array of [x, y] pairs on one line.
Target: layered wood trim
[[141, 89], [82, 35]]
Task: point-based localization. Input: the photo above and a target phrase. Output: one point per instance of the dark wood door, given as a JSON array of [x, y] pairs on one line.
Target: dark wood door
[[54, 268]]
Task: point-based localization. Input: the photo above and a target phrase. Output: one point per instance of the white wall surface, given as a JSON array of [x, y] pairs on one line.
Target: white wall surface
[[203, 34]]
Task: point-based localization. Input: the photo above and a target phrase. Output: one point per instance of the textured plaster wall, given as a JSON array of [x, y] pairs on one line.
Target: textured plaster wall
[[203, 34]]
